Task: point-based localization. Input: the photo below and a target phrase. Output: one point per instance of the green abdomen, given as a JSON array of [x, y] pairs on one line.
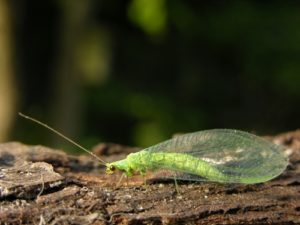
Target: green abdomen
[[180, 162]]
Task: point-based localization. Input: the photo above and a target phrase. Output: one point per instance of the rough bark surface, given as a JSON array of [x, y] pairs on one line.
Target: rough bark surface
[[39, 185]]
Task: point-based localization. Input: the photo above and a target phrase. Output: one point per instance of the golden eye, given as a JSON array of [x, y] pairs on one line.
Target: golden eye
[[112, 168]]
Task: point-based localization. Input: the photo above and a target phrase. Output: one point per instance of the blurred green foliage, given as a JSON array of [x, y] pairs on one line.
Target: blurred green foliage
[[151, 16], [150, 69]]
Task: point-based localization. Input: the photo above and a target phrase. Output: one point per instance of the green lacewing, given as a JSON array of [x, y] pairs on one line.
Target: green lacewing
[[218, 155]]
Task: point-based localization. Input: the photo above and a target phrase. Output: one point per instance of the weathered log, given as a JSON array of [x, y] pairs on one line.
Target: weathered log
[[42, 186]]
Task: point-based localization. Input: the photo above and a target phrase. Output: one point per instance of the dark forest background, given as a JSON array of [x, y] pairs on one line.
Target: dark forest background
[[135, 72]]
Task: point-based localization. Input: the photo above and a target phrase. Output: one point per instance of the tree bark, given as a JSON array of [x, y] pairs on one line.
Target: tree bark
[[42, 186]]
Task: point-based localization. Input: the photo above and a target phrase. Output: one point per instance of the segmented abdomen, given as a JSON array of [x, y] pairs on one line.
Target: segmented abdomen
[[179, 162]]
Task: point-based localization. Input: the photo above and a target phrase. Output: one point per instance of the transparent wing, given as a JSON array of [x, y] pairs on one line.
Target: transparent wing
[[236, 154], [170, 174]]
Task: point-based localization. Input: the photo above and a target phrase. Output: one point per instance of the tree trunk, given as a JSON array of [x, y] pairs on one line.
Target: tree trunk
[[7, 84], [43, 186]]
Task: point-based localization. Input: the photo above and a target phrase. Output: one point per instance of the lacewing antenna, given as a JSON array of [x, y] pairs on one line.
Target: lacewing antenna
[[62, 136]]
